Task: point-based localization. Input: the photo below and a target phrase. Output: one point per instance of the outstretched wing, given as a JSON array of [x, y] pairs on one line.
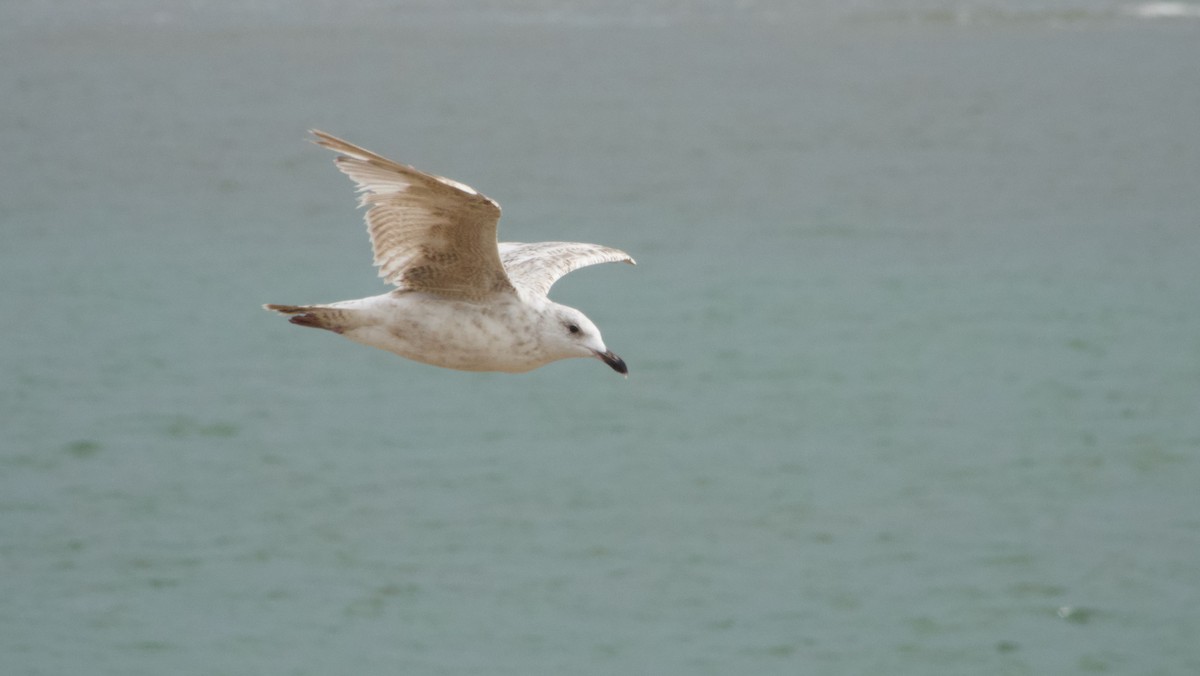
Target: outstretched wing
[[534, 268], [428, 233]]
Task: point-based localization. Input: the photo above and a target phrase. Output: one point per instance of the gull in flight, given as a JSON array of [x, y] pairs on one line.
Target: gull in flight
[[462, 300]]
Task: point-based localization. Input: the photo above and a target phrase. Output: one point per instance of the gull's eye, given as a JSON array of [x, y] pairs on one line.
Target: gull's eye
[[573, 328]]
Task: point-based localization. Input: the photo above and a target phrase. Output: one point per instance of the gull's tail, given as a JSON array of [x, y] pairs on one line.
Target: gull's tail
[[315, 316]]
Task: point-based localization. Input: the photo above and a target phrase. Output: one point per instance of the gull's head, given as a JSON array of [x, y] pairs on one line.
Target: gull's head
[[569, 333]]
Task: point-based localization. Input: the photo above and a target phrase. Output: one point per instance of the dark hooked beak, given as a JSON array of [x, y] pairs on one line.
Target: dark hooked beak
[[614, 361]]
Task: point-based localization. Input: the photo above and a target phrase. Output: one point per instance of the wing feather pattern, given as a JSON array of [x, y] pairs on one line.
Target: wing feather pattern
[[534, 268], [428, 233]]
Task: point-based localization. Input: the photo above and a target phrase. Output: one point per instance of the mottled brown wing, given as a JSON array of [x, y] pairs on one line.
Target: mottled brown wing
[[534, 268], [428, 233]]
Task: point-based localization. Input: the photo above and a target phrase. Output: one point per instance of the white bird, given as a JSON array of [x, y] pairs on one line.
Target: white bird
[[463, 301]]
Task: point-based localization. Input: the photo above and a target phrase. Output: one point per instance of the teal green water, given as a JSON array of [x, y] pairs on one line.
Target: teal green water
[[914, 342]]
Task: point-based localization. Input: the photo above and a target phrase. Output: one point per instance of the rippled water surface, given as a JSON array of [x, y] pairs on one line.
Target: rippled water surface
[[914, 341]]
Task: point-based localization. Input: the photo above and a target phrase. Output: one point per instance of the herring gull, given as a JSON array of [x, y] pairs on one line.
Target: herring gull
[[463, 301]]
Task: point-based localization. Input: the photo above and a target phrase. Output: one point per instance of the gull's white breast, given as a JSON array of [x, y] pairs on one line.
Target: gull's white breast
[[499, 335]]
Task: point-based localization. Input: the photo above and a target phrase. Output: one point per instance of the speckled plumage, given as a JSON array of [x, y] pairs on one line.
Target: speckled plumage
[[462, 300]]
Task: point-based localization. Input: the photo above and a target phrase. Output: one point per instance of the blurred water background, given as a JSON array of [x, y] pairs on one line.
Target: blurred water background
[[914, 341]]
